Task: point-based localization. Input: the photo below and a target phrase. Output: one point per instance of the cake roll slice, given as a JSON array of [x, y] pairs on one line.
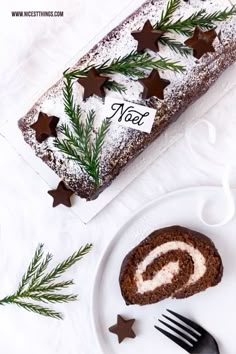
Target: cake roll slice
[[121, 144], [172, 262]]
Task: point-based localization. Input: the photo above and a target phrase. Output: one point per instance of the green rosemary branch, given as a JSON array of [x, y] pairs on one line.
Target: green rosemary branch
[[115, 86], [64, 266], [168, 13], [77, 143], [176, 46], [75, 74], [186, 26], [38, 288], [199, 18], [56, 286], [41, 269], [98, 143], [41, 310], [34, 265], [133, 65]]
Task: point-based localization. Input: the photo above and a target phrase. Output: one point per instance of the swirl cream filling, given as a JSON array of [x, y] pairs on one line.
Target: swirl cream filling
[[167, 273]]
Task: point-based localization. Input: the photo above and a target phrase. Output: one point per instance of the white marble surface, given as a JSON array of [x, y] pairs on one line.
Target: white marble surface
[[28, 48]]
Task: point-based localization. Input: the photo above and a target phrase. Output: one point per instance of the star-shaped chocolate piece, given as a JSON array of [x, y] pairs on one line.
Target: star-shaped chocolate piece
[[201, 42], [123, 328], [61, 195], [147, 38], [154, 85], [45, 127], [93, 83]]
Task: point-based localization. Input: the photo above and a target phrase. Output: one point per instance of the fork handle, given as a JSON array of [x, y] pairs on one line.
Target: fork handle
[[209, 347]]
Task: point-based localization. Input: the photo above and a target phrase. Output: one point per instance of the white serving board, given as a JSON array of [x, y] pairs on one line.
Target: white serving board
[[220, 91]]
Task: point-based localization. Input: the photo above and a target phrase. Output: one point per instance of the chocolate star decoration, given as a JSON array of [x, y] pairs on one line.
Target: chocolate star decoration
[[123, 329], [93, 84], [45, 127], [147, 38], [201, 42], [154, 85], [61, 195]]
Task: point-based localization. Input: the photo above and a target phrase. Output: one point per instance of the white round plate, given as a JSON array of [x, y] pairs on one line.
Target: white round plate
[[214, 309]]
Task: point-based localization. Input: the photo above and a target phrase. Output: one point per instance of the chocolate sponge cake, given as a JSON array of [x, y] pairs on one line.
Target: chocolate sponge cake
[[121, 144], [171, 262]]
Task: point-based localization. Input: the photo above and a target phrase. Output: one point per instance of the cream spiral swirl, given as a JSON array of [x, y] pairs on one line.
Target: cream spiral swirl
[[166, 274], [171, 262]]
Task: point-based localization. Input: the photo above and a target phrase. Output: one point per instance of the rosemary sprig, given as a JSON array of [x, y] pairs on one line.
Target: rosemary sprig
[[115, 86], [77, 143], [38, 288], [168, 13], [186, 26], [199, 18], [133, 65], [176, 46], [33, 267]]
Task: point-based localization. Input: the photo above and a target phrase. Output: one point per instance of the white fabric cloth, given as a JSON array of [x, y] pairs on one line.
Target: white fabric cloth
[[29, 47]]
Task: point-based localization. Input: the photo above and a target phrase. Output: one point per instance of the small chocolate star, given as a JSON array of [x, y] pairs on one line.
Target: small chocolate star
[[154, 85], [201, 42], [45, 127], [147, 38], [61, 195], [123, 329], [93, 84]]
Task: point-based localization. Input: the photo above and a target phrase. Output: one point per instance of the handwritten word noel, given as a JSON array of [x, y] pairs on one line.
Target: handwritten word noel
[[129, 114]]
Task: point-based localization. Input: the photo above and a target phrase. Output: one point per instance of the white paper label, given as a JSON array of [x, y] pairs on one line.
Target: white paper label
[[129, 114]]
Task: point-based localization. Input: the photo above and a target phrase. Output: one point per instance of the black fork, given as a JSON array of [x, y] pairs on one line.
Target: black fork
[[194, 339]]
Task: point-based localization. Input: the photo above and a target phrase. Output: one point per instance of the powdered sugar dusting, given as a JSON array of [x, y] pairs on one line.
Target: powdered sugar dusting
[[122, 144]]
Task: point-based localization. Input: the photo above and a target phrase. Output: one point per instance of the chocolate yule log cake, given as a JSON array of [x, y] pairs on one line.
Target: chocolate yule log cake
[[171, 262], [126, 90]]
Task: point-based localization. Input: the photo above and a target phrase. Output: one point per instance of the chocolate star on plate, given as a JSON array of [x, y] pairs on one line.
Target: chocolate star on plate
[[123, 329], [147, 38], [61, 195], [201, 42], [154, 85], [93, 84], [45, 127]]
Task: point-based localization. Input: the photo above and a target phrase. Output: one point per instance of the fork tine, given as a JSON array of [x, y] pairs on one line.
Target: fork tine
[[175, 339], [181, 334], [192, 324], [186, 329]]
